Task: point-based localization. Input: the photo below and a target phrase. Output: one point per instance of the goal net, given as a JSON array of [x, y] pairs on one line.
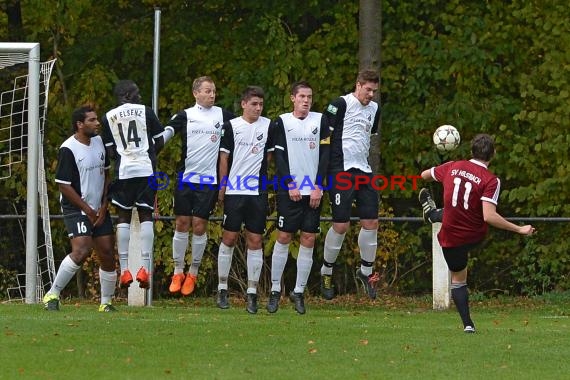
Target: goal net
[[24, 90]]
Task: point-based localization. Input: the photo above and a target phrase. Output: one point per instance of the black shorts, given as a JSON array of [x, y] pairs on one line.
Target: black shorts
[[79, 225], [132, 192], [293, 216], [191, 199], [250, 210], [346, 189], [456, 257]]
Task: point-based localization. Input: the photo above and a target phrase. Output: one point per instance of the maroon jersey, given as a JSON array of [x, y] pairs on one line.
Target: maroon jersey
[[465, 185]]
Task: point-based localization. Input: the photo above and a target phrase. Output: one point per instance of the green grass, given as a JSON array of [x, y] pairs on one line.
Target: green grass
[[395, 338]]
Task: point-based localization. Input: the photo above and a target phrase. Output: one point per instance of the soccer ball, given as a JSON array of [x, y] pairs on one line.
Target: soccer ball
[[446, 138]]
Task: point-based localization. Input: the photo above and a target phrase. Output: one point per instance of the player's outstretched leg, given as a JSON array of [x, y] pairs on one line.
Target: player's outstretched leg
[[431, 213]]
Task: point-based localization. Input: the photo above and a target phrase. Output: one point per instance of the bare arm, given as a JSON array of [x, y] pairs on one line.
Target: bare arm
[[223, 173], [426, 175], [102, 212], [491, 216]]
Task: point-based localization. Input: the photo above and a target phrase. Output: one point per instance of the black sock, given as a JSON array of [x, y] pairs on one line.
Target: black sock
[[461, 299]]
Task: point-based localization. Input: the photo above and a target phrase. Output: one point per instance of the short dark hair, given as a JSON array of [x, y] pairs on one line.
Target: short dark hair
[[123, 90], [368, 75], [483, 147], [252, 91], [79, 114], [295, 87]]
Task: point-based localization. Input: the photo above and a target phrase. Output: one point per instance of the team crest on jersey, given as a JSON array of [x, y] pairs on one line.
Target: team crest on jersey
[[217, 125], [254, 150], [332, 109], [214, 138], [102, 156], [260, 136], [312, 145], [315, 130]]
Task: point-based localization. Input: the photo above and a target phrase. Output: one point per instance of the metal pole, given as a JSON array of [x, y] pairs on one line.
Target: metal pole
[[32, 175], [155, 78]]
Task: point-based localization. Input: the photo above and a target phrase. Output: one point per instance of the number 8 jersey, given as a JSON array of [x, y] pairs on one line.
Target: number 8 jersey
[[130, 129], [466, 185]]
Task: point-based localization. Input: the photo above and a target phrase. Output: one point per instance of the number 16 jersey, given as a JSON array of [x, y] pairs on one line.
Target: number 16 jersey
[[130, 129], [466, 185]]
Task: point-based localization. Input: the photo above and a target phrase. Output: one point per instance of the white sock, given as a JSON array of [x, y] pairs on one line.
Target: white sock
[[179, 245], [333, 244], [254, 264], [65, 273], [304, 264], [278, 262], [147, 241], [198, 247], [108, 283], [225, 255], [123, 238], [367, 242]]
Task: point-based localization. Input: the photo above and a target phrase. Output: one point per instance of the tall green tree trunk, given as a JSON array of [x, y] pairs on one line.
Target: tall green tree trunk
[[369, 44]]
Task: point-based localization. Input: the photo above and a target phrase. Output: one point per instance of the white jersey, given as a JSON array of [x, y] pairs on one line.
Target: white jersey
[[130, 128], [83, 167], [352, 123], [201, 131], [299, 140], [247, 145]]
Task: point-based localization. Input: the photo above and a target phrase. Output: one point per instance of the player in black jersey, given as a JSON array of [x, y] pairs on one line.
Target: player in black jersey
[[82, 176], [352, 118]]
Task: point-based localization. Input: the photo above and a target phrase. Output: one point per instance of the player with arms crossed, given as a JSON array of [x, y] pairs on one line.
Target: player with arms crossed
[[470, 197], [352, 118], [244, 155], [132, 135], [200, 128], [82, 176], [301, 158]]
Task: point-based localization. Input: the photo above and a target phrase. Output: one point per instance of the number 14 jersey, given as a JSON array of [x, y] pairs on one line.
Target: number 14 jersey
[[466, 185], [130, 129]]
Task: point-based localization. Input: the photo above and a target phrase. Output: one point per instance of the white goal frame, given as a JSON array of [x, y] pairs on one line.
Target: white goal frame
[[32, 49]]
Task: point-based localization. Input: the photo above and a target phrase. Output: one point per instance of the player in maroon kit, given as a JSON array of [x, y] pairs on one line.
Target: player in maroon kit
[[470, 197]]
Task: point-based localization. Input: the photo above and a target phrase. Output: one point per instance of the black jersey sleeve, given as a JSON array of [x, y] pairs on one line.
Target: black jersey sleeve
[[178, 122], [153, 125], [324, 151], [227, 115], [106, 134], [227, 142], [66, 171], [334, 114], [376, 124], [281, 153]]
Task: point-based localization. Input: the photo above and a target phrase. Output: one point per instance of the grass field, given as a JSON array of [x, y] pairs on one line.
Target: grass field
[[391, 338]]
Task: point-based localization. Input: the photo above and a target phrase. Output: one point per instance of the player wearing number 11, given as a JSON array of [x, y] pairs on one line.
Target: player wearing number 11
[[132, 135], [470, 196]]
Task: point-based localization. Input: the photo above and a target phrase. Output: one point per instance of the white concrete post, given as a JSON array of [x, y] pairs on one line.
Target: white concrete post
[[441, 276], [136, 296]]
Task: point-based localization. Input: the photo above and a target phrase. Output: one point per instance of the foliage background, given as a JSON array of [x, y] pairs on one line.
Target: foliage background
[[493, 67]]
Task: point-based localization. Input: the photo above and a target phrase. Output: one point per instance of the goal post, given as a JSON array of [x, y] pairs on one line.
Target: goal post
[[23, 108], [32, 50]]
